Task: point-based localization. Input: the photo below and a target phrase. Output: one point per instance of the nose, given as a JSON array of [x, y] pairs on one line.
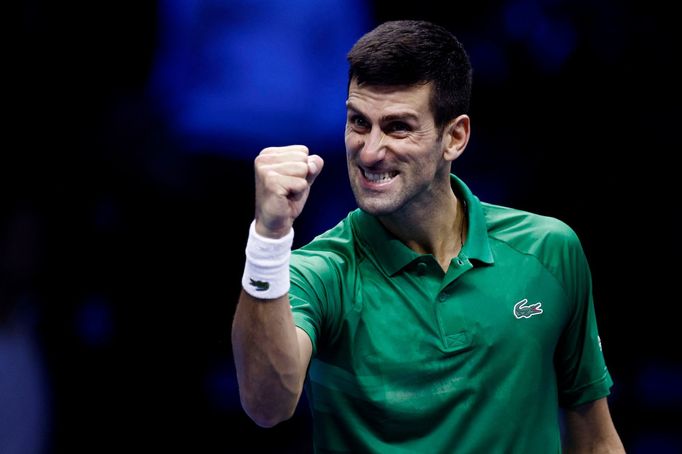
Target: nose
[[373, 149]]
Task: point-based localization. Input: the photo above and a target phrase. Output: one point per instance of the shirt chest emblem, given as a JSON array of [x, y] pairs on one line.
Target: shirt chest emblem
[[524, 310]]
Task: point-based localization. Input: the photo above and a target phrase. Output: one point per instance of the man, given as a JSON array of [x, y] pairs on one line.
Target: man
[[426, 321]]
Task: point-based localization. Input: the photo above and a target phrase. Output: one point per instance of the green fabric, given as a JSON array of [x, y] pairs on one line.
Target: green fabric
[[408, 359]]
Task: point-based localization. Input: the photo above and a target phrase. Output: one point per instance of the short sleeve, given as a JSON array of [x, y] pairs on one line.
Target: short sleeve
[[315, 293], [580, 365]]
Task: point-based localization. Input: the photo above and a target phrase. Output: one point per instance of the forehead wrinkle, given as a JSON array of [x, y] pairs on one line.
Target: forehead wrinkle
[[386, 117], [398, 116]]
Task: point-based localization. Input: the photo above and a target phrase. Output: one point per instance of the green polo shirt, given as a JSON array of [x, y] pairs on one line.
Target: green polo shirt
[[409, 359]]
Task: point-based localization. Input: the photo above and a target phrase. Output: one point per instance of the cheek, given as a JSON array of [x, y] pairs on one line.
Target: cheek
[[353, 142]]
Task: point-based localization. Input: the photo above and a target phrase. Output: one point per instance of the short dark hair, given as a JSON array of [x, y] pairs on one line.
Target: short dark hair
[[411, 52]]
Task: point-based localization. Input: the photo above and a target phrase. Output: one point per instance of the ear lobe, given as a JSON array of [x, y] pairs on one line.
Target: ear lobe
[[456, 136]]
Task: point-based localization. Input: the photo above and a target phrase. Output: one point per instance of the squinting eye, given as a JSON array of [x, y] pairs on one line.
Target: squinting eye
[[359, 122], [398, 127]]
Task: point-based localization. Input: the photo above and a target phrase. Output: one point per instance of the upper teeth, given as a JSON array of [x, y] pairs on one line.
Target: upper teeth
[[379, 176]]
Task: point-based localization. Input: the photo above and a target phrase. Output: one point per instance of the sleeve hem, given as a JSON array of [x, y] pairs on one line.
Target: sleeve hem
[[309, 330], [588, 393]]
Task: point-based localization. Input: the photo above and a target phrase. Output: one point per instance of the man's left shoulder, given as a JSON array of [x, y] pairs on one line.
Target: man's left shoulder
[[514, 225]]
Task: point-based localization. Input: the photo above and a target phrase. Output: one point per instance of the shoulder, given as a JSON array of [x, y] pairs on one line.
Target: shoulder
[[333, 247], [527, 231], [550, 240]]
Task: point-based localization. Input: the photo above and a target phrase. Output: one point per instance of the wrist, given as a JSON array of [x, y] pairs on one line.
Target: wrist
[[264, 232], [266, 270]]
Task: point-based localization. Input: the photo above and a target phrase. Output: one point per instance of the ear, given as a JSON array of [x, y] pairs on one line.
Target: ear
[[455, 137]]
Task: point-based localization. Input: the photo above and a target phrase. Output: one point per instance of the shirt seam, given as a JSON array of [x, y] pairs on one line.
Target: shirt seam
[[535, 257]]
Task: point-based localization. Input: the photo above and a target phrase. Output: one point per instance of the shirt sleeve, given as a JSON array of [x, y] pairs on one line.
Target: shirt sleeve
[[579, 361], [304, 307], [314, 294]]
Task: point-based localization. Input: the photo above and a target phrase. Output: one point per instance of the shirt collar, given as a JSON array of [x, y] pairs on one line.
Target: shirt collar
[[393, 255]]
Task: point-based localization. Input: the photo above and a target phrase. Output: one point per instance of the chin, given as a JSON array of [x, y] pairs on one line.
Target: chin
[[375, 207]]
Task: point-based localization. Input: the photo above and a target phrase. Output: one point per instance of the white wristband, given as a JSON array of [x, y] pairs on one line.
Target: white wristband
[[266, 271]]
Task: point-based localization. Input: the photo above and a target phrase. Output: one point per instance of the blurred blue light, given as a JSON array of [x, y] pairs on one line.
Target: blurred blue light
[[658, 443], [25, 395], [94, 321], [553, 42], [222, 388], [521, 17], [550, 38], [489, 60], [241, 75], [658, 385]]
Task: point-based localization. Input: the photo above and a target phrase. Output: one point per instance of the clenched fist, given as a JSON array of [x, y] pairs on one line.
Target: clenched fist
[[283, 179]]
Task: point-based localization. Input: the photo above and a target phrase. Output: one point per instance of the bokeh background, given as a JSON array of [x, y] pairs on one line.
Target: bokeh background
[[126, 192]]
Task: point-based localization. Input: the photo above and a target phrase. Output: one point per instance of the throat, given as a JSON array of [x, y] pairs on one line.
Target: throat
[[442, 235], [449, 244]]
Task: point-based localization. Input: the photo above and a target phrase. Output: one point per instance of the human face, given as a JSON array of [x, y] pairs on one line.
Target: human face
[[393, 149]]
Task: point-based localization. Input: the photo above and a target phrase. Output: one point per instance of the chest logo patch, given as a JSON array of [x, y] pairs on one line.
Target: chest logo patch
[[524, 310]]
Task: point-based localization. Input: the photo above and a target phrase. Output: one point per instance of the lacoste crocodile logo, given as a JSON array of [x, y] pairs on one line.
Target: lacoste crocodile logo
[[523, 311], [260, 286]]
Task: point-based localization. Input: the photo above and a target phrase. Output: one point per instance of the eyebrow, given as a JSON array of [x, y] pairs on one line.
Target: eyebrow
[[386, 118]]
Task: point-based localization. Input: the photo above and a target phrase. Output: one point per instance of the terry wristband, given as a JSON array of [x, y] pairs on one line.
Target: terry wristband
[[266, 271]]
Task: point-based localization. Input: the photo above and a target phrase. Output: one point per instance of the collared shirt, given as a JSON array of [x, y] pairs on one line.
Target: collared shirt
[[410, 359]]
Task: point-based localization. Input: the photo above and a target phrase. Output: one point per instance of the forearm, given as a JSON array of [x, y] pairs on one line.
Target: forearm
[[611, 445], [267, 358], [591, 430], [270, 355]]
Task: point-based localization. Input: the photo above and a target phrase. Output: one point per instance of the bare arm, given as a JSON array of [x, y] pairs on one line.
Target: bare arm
[[589, 429], [271, 354]]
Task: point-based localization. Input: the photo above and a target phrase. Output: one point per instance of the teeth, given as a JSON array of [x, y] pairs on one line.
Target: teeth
[[379, 177]]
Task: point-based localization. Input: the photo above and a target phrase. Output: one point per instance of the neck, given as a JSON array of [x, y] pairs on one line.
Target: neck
[[438, 232]]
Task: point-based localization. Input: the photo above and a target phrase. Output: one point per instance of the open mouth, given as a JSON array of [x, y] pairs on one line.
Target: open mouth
[[379, 177]]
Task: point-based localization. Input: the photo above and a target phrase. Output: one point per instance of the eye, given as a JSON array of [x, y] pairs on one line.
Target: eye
[[359, 122], [398, 126]]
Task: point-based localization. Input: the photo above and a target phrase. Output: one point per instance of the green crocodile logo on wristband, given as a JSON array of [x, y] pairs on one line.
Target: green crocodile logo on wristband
[[260, 286]]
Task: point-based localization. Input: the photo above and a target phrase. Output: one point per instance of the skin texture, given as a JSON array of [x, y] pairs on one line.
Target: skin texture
[[270, 353], [283, 179], [398, 167], [590, 429], [389, 130]]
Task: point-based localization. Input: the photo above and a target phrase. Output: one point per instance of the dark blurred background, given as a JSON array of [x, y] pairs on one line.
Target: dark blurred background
[[126, 192]]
